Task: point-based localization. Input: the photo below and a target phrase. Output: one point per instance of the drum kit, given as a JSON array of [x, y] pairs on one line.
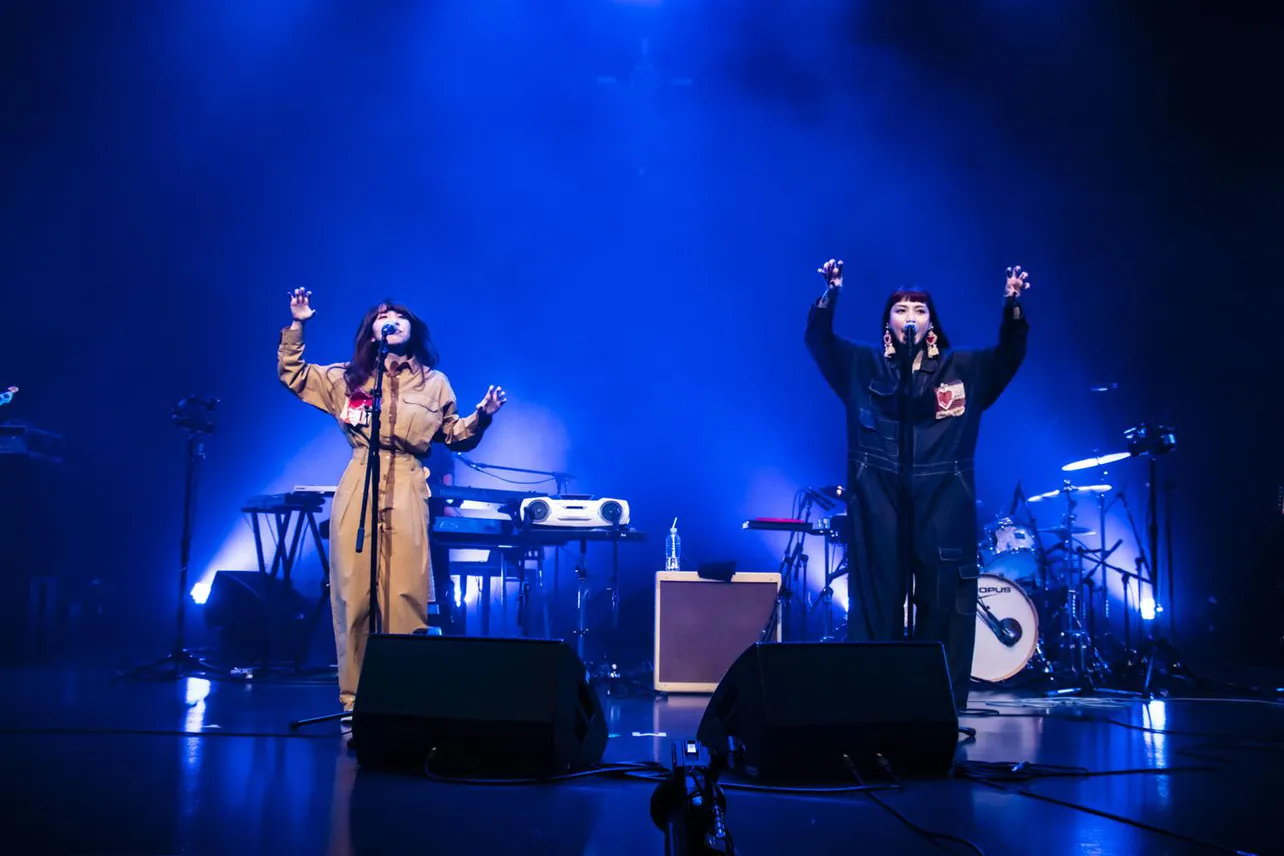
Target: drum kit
[[1042, 590]]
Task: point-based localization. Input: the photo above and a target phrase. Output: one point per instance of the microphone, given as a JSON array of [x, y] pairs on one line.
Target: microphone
[[911, 337], [387, 330]]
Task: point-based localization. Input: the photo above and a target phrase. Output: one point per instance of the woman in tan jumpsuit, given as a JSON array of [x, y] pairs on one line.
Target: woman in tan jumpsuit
[[418, 408]]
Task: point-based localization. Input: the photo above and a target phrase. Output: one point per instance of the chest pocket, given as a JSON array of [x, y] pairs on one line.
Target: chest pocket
[[421, 416], [879, 416]]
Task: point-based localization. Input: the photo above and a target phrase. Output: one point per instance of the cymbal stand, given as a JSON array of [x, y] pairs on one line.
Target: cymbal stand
[[1040, 552], [1084, 661], [1099, 559]]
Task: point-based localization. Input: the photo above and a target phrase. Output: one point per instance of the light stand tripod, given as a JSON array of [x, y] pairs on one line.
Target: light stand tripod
[[196, 416], [1149, 440]]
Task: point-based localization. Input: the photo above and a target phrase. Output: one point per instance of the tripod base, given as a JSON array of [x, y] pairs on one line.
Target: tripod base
[[172, 667]]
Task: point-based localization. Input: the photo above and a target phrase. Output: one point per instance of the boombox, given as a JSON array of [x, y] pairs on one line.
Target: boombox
[[574, 511]]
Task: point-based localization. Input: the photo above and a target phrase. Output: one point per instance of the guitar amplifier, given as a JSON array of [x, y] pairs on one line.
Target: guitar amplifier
[[702, 626]]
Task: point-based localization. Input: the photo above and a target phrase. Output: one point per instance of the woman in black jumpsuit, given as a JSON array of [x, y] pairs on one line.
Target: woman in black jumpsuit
[[950, 389]]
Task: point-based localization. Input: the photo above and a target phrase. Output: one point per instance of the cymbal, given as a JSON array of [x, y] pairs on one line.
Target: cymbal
[[1053, 494], [1073, 530], [1100, 461]]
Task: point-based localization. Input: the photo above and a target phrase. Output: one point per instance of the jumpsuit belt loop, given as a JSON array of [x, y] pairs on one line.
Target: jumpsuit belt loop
[[943, 468], [875, 461], [388, 457], [891, 465]]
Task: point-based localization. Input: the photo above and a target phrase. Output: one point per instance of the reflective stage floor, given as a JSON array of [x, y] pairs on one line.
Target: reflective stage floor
[[194, 766]]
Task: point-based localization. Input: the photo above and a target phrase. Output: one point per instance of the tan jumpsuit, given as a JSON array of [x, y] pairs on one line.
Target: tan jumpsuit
[[418, 408]]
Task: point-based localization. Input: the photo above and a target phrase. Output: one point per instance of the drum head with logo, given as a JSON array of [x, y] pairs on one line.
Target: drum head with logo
[[1007, 629]]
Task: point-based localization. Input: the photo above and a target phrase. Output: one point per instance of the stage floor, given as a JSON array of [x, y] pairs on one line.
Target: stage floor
[[202, 767]]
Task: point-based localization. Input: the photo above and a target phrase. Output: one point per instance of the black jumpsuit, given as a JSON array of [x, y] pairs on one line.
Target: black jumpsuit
[[949, 394]]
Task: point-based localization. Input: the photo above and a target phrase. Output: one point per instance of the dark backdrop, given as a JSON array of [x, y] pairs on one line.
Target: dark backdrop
[[616, 210]]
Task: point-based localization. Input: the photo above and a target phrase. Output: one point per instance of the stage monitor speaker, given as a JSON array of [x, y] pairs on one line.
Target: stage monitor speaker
[[470, 706], [789, 712], [256, 615]]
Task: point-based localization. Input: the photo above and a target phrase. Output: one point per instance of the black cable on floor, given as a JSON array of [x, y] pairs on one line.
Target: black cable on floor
[[1205, 735], [999, 776], [930, 834], [611, 769]]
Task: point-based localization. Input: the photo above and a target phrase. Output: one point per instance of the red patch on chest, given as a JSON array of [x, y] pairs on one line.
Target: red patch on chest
[[951, 399]]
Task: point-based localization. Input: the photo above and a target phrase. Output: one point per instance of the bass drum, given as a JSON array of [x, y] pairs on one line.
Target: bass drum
[[1007, 629]]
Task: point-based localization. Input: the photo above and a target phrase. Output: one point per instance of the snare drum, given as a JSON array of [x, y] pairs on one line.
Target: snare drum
[[1009, 550], [1007, 629]]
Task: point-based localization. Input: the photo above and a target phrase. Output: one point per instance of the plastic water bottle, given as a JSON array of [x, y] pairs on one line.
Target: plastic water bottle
[[673, 549]]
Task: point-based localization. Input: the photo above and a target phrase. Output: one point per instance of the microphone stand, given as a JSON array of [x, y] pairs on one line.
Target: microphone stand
[[196, 417], [562, 479], [905, 519], [370, 487]]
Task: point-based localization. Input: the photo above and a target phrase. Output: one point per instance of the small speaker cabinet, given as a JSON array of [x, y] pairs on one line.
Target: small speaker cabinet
[[702, 626]]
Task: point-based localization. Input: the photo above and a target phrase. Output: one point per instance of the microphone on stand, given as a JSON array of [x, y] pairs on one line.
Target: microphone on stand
[[384, 332], [911, 336]]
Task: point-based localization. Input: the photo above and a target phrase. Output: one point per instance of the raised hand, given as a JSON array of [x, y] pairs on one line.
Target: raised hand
[[301, 305], [832, 271], [495, 399], [1018, 281]]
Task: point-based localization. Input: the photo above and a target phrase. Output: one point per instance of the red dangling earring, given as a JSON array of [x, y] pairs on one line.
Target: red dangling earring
[[932, 350], [888, 349]]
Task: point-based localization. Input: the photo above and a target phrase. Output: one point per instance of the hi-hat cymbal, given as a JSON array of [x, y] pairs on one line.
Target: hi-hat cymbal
[[1069, 488], [1073, 530], [1099, 461]]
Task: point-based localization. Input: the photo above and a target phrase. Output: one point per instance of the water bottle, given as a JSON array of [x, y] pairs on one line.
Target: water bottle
[[673, 549]]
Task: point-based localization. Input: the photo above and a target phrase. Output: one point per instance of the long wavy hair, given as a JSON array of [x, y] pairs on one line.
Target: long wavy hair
[[365, 349], [915, 295]]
